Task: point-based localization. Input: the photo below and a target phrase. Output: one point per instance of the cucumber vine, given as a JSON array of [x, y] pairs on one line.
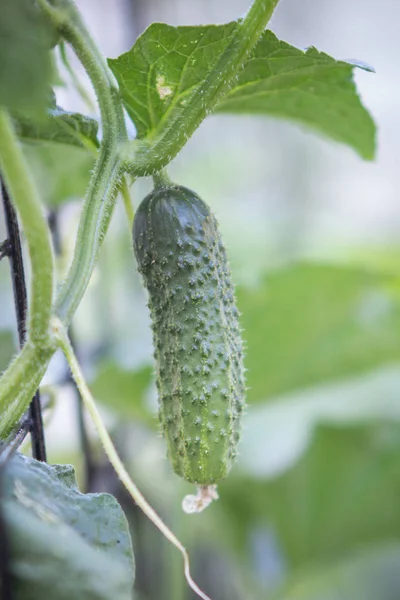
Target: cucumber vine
[[117, 155], [228, 83], [101, 194]]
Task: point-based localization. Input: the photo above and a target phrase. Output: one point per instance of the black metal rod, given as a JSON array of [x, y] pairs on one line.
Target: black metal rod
[[5, 249], [14, 252]]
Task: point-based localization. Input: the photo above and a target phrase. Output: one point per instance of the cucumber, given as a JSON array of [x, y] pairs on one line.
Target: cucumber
[[197, 341]]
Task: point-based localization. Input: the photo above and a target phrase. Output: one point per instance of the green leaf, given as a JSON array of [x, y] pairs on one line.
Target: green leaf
[[123, 390], [311, 323], [167, 65], [165, 68], [288, 422], [25, 63], [341, 495], [62, 127], [309, 87], [64, 544], [61, 171], [371, 574]]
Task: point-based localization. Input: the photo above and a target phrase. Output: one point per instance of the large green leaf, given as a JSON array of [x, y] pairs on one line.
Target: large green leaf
[[25, 64], [124, 390], [165, 68], [372, 574], [341, 495], [311, 323], [64, 544], [309, 87], [167, 65]]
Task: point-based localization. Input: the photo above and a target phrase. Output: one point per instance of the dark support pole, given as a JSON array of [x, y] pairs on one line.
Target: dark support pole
[[4, 249], [14, 252]]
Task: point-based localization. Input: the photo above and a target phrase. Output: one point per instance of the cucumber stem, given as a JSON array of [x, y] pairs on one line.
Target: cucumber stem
[[161, 179]]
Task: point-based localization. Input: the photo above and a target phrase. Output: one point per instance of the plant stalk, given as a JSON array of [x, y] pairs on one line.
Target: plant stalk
[[21, 304], [25, 197], [19, 383], [103, 186], [127, 200], [22, 378]]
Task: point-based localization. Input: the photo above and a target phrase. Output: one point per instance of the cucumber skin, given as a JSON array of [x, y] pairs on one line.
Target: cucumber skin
[[197, 341]]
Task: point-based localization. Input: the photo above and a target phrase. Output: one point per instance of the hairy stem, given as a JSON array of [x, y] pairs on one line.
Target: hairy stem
[[161, 179], [171, 136], [95, 219], [103, 186], [25, 197], [21, 306], [22, 378], [20, 382], [114, 458], [127, 200]]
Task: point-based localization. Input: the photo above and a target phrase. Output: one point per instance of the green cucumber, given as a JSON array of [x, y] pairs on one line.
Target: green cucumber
[[197, 341]]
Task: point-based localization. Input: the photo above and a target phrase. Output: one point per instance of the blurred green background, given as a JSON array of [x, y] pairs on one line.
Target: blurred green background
[[311, 510]]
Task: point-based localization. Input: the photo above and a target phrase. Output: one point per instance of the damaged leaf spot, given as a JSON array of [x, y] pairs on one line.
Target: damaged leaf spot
[[163, 90]]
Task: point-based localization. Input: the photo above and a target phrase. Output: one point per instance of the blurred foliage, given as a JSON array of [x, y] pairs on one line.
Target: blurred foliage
[[123, 390], [277, 432], [61, 148], [341, 495], [312, 323], [64, 544], [25, 63], [368, 575], [61, 171]]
